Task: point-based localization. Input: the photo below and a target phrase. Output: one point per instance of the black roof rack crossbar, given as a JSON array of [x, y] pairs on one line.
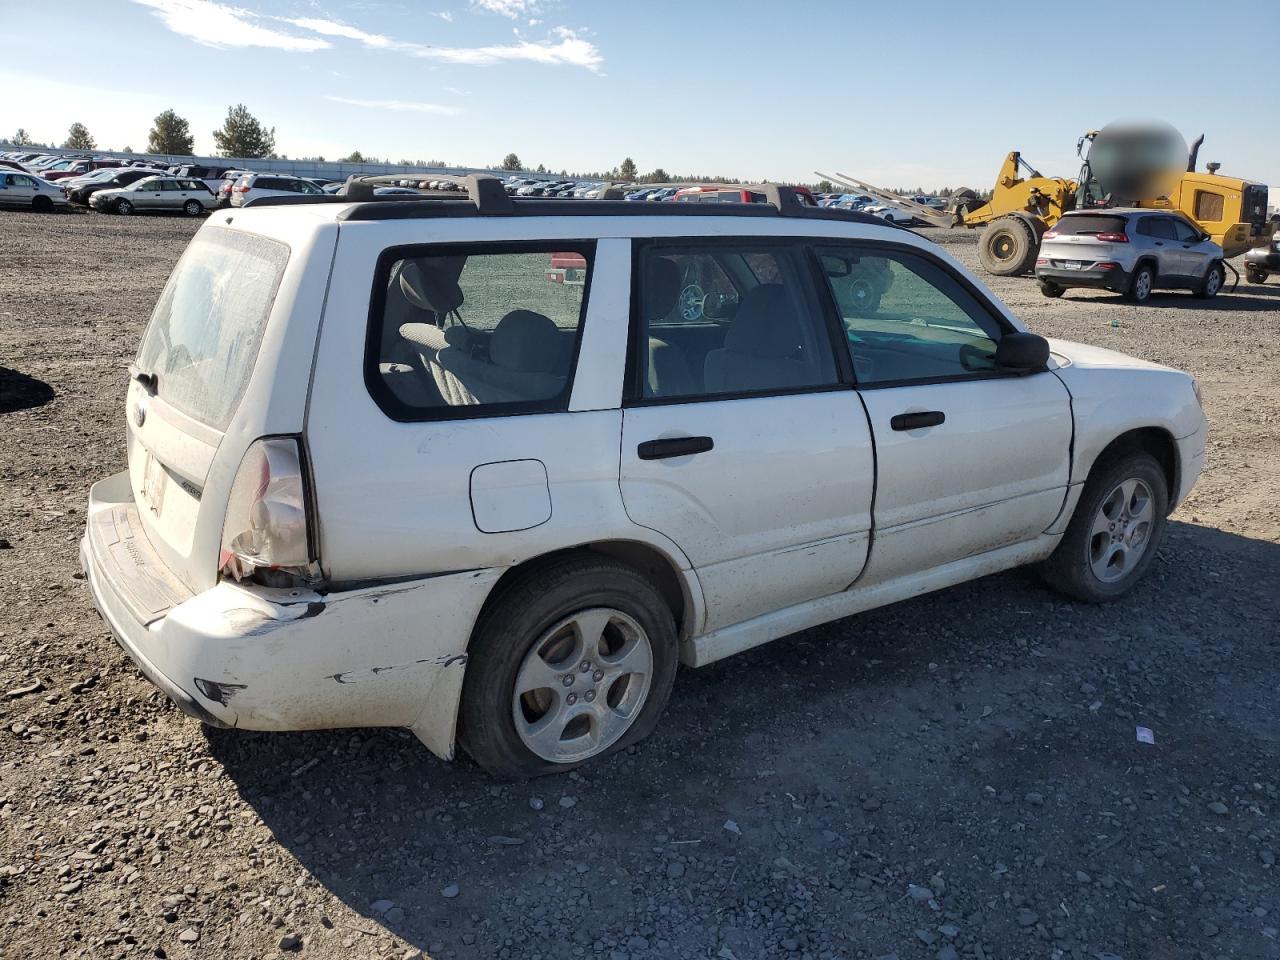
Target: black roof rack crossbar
[[486, 197]]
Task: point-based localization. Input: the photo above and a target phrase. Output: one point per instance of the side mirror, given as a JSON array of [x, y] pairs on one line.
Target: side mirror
[[1022, 351]]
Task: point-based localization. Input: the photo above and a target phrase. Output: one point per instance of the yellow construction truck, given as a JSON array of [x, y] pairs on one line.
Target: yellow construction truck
[[1024, 204]]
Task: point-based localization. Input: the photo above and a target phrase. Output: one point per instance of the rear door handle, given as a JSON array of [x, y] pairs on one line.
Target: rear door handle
[[673, 447], [914, 421]]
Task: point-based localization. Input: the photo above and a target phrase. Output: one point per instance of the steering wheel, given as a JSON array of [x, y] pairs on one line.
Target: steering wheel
[[692, 302], [865, 297]]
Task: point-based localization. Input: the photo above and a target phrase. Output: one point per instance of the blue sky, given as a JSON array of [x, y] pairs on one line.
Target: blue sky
[[924, 93]]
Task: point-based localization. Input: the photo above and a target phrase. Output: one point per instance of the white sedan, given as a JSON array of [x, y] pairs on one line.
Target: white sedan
[[886, 212], [29, 191]]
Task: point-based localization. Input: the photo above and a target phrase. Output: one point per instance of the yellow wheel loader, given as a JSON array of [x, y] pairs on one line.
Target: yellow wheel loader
[[1024, 204]]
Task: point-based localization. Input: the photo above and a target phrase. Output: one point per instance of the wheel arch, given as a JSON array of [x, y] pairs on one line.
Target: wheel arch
[[1156, 441], [678, 587]]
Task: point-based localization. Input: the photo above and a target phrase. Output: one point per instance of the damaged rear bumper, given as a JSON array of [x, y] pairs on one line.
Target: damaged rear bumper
[[239, 655]]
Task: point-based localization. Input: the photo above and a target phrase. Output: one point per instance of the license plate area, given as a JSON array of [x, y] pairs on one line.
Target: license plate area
[[154, 479]]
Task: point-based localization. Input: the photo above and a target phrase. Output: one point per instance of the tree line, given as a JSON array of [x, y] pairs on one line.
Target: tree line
[[244, 135]]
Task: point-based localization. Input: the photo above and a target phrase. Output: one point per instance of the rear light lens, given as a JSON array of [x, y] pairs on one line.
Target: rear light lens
[[1106, 265], [1042, 261], [1114, 237], [1050, 234], [240, 188], [267, 526]]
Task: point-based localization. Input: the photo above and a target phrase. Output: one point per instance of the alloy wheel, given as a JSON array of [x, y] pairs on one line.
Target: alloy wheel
[[1121, 530], [582, 685]]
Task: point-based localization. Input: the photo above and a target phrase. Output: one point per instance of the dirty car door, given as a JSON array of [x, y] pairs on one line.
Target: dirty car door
[[739, 441], [969, 458]]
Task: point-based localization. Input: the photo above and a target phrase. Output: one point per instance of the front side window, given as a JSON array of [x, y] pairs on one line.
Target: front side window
[[471, 330], [1186, 233], [728, 319], [906, 318]]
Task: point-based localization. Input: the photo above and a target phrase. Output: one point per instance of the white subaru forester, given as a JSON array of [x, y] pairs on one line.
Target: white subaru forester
[[490, 468]]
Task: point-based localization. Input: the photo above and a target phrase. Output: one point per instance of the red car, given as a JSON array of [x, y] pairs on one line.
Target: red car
[[77, 168], [732, 194]]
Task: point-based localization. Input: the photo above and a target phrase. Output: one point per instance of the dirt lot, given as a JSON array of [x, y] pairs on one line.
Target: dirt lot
[[952, 776]]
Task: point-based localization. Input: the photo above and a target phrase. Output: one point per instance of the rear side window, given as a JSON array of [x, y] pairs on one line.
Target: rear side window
[[473, 331], [1088, 224], [727, 319], [203, 338]]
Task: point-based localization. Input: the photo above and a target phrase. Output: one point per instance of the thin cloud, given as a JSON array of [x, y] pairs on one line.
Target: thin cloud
[[400, 106], [218, 25], [514, 9], [444, 15], [570, 49]]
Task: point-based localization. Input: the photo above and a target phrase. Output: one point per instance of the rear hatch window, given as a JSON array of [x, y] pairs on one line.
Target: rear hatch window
[[1089, 225], [203, 338]]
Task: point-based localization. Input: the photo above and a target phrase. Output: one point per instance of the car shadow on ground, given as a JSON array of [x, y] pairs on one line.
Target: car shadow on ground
[[444, 856], [19, 391], [1250, 299]]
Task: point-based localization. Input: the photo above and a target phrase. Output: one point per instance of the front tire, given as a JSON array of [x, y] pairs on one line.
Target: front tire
[[566, 665], [124, 208], [41, 204], [1212, 282], [1008, 247], [1115, 532]]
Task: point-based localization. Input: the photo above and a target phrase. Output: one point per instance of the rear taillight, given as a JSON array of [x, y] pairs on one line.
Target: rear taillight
[[1042, 261], [1106, 266], [1114, 237], [267, 526], [1050, 234], [240, 189]]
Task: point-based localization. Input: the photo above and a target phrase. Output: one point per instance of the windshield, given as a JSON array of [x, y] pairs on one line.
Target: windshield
[[203, 338]]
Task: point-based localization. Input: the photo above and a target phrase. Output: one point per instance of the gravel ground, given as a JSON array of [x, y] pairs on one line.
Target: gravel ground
[[956, 775]]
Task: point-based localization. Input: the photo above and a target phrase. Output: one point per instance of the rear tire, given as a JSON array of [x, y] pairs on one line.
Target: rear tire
[[124, 208], [1115, 532], [193, 208], [1212, 282], [1141, 284], [41, 204], [1254, 275], [541, 624], [1051, 289], [1008, 247]]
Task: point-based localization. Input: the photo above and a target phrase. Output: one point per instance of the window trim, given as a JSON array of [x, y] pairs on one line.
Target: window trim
[[984, 303], [395, 409], [633, 385]]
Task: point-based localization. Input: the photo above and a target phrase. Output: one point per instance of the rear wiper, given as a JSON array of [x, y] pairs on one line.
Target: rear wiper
[[149, 381]]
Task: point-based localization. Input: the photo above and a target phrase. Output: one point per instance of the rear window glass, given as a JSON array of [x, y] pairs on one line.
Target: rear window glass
[[1088, 224], [204, 334], [477, 331]]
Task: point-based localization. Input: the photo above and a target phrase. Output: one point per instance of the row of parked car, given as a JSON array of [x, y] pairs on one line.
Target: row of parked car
[[111, 185]]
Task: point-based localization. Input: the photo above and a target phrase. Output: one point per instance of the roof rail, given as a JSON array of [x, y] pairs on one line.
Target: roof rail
[[486, 193], [784, 198]]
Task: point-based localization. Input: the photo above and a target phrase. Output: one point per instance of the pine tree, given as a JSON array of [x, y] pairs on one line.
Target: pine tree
[[171, 134], [511, 162], [628, 169], [79, 138], [242, 135]]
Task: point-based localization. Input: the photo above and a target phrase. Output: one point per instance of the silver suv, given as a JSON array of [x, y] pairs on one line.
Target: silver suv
[[1129, 251]]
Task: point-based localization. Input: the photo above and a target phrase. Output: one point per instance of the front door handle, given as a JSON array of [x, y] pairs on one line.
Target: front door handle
[[673, 447], [914, 421]]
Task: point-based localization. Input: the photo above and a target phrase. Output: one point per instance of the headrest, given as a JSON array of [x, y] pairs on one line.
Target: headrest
[[661, 286], [432, 284], [525, 341], [766, 324]]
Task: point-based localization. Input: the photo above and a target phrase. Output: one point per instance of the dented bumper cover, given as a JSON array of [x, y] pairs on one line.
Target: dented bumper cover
[[239, 655]]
